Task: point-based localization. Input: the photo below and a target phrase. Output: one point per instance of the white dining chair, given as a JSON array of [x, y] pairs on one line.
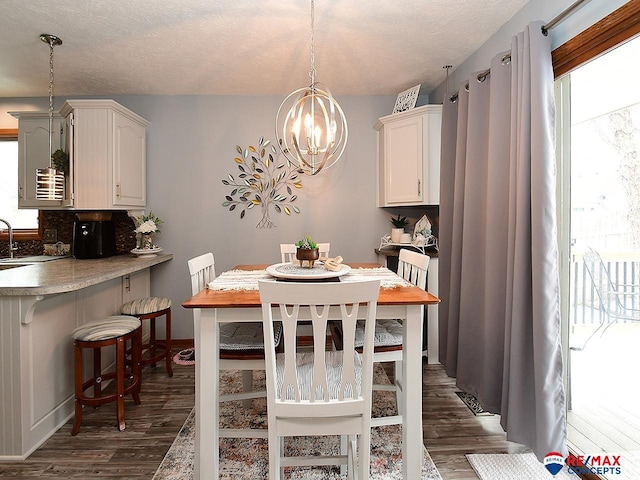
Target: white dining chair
[[241, 344], [288, 251], [319, 393], [413, 267]]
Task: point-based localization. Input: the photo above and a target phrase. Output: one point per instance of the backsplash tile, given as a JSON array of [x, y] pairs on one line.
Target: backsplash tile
[[63, 220]]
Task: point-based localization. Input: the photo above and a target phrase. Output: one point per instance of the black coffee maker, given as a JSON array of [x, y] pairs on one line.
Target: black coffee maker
[[94, 238]]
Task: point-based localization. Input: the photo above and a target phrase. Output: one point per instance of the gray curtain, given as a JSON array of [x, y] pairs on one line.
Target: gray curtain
[[499, 283]]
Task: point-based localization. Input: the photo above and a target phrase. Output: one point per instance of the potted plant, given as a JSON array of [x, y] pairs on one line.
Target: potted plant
[[307, 250], [398, 223]]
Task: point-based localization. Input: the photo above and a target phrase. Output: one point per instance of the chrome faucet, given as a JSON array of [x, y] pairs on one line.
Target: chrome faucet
[[11, 247]]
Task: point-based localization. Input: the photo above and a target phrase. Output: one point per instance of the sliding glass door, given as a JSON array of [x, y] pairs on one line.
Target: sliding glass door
[[599, 172]]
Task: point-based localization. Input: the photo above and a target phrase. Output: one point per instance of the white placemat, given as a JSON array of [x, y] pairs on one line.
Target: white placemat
[[248, 279]]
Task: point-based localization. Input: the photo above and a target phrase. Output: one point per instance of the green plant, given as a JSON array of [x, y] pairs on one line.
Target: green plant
[[399, 222], [60, 160], [306, 243]]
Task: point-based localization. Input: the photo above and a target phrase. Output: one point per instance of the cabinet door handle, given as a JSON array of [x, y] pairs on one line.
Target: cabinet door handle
[[419, 187], [20, 192], [118, 190], [127, 283]]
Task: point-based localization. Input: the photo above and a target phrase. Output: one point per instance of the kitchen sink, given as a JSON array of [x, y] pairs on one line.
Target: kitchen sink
[[28, 260], [7, 266]]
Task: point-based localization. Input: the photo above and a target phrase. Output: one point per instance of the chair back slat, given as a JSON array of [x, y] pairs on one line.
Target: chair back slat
[[311, 380], [413, 266], [202, 271]]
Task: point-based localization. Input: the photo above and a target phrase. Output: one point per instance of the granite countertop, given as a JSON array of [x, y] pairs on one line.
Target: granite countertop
[[69, 274]]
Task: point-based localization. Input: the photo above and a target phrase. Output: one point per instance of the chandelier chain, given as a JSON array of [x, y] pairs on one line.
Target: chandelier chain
[[312, 73]]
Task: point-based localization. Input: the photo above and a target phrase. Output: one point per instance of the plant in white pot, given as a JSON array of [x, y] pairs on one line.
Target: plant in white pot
[[398, 223]]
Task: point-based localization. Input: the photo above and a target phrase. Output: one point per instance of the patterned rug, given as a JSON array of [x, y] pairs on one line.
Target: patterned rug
[[247, 459]]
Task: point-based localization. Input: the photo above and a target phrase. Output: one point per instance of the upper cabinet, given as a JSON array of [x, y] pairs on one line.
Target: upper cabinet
[[107, 147], [33, 153], [106, 144], [409, 157]]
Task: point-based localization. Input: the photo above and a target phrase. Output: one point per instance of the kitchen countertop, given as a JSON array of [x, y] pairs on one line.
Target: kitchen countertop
[[69, 274]]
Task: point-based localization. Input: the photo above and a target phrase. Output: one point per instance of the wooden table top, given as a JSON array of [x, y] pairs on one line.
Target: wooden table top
[[251, 298]]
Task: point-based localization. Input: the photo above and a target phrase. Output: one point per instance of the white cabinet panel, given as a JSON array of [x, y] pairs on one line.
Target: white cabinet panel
[[109, 155], [33, 153], [409, 157]]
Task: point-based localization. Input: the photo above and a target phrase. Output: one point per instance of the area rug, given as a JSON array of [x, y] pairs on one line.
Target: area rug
[[247, 459], [521, 466], [472, 403]]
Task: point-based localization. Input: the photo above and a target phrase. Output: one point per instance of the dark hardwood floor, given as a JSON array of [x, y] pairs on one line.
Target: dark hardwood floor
[[451, 430], [101, 451]]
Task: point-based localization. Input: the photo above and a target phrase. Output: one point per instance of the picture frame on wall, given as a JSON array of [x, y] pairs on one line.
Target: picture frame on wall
[[406, 100]]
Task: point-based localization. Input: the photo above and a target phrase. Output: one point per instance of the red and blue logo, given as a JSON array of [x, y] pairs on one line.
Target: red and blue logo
[[553, 461], [602, 465]]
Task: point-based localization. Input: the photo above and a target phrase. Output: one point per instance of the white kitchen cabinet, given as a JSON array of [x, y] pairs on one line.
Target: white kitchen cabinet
[[409, 157], [107, 147], [33, 153]]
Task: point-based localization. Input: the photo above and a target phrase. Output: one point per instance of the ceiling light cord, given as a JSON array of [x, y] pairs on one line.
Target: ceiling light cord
[[50, 97]]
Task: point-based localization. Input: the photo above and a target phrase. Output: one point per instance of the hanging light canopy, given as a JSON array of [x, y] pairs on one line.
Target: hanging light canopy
[[49, 181], [310, 126]]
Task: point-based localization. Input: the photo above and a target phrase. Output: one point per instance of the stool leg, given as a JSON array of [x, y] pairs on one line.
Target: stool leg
[[77, 360], [136, 364], [152, 340], [120, 354], [168, 343], [97, 372]]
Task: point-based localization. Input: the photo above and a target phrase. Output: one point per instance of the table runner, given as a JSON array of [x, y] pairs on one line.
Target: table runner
[[248, 279]]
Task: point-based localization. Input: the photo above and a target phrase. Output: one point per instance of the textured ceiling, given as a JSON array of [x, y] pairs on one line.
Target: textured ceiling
[[239, 47]]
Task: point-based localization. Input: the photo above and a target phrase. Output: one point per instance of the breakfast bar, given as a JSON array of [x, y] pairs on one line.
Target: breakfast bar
[[40, 304]]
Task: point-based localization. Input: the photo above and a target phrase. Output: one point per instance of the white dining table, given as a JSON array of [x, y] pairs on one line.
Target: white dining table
[[242, 304]]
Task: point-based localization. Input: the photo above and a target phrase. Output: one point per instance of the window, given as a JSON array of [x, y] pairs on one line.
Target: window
[[25, 222]]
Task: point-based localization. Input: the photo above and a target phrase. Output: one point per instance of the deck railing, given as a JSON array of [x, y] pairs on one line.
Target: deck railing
[[585, 307]]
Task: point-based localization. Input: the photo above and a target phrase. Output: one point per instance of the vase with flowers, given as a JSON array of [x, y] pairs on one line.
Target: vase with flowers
[[146, 227]]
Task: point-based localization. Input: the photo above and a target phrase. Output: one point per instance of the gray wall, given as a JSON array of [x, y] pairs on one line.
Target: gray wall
[[191, 145], [545, 10]]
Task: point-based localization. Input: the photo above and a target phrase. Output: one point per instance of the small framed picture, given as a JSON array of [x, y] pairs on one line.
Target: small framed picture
[[407, 99]]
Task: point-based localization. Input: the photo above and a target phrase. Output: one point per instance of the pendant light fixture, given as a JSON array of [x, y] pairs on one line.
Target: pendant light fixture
[[49, 181], [311, 128]]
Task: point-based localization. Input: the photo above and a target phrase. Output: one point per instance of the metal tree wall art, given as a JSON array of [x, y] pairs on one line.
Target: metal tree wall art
[[264, 181]]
